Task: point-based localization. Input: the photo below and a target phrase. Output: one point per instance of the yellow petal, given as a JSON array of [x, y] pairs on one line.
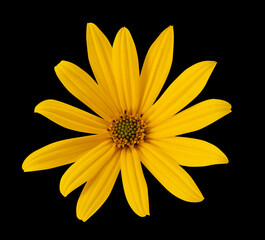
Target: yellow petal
[[100, 58], [181, 92], [86, 167], [191, 119], [60, 153], [169, 174], [134, 183], [126, 70], [83, 87], [156, 68], [98, 189], [70, 117], [190, 152]]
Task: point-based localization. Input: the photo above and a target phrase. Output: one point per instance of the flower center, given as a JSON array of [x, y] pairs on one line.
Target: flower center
[[127, 130]]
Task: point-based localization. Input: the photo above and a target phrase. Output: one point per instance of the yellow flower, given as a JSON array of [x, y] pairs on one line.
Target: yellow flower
[[131, 128]]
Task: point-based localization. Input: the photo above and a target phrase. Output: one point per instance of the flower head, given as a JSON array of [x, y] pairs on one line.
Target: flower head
[[131, 128]]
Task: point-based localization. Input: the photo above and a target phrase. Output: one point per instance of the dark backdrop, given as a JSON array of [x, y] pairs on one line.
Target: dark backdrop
[[35, 203]]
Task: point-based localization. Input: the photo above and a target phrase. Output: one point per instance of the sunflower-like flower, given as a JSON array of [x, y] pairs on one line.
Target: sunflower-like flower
[[131, 127]]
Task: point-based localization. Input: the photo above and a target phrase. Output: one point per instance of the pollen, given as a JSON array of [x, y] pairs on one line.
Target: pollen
[[127, 130]]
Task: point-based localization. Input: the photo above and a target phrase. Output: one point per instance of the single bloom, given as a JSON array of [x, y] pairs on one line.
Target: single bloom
[[131, 128]]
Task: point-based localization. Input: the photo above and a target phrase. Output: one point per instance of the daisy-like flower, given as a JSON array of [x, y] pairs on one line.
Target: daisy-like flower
[[131, 128]]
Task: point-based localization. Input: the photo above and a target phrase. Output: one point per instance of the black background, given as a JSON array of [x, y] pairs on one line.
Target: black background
[[34, 201]]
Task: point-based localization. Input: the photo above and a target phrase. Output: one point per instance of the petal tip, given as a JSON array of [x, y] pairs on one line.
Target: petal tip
[[230, 107], [64, 193], [27, 167], [169, 32], [41, 106], [147, 213], [60, 64], [125, 31], [171, 28], [36, 109], [82, 218], [63, 189], [202, 199], [90, 24], [144, 215], [24, 167], [199, 198], [212, 64], [222, 158], [90, 27]]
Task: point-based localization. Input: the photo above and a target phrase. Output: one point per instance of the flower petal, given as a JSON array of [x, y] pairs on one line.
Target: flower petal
[[192, 119], [190, 152], [83, 87], [169, 174], [126, 70], [181, 92], [70, 117], [98, 189], [156, 68], [60, 153], [86, 167], [100, 58], [134, 183]]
